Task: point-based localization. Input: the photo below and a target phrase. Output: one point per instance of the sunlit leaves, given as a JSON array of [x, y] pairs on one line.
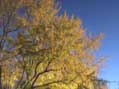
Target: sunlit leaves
[[49, 51]]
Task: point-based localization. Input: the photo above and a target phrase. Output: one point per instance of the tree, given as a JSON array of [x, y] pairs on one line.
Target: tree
[[8, 27], [101, 84], [42, 50]]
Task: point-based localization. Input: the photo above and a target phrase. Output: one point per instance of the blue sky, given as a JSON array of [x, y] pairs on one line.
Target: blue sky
[[100, 16]]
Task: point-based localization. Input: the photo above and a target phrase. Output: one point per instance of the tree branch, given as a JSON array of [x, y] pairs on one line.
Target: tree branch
[[47, 84]]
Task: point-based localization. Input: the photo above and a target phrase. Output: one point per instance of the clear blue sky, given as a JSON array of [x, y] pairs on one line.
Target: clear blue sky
[[100, 16]]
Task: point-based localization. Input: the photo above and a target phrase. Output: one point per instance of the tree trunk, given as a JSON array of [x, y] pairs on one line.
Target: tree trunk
[[0, 77]]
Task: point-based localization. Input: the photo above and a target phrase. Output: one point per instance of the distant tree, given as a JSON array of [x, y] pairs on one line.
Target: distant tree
[[100, 84], [41, 50]]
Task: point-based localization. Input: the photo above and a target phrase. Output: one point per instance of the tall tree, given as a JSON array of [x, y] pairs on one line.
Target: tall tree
[[42, 50], [8, 26]]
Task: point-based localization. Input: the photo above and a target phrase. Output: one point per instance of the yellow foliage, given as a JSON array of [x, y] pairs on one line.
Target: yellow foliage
[[49, 51]]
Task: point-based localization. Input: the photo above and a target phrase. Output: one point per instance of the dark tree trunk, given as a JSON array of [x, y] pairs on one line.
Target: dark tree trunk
[[0, 77]]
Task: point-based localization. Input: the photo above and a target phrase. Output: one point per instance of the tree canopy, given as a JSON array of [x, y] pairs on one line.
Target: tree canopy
[[40, 49]]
